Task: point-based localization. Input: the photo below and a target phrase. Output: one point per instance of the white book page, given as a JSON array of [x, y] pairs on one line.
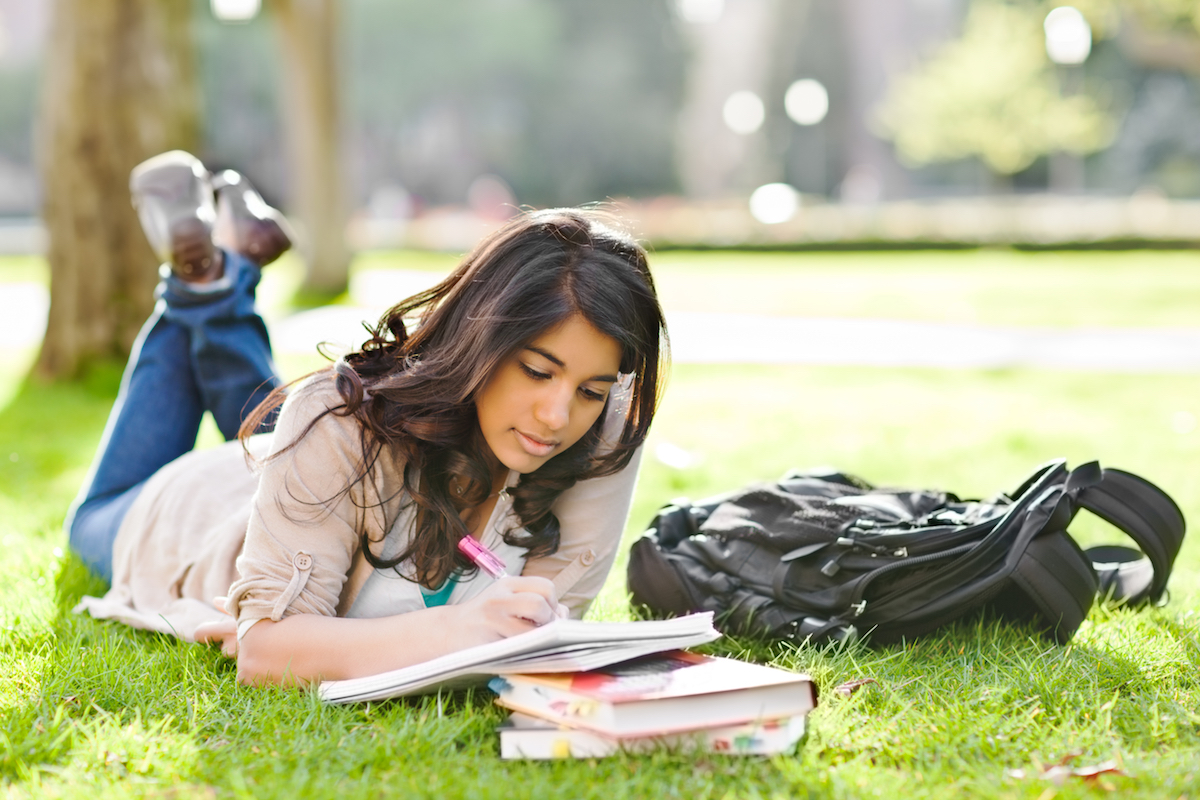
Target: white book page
[[562, 646]]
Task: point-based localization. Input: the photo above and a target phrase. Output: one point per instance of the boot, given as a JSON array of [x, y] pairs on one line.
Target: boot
[[173, 197], [245, 223]]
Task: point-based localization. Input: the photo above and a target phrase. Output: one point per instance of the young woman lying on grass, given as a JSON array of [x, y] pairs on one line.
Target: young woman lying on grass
[[508, 403]]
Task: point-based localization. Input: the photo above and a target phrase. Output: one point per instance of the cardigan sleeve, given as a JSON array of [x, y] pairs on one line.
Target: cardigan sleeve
[[308, 512]]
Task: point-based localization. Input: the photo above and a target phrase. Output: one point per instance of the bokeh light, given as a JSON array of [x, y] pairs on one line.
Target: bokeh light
[[773, 203], [806, 102], [700, 12], [236, 10], [1068, 36], [744, 112]]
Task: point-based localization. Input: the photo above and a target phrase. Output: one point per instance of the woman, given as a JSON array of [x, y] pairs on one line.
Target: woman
[[512, 412]]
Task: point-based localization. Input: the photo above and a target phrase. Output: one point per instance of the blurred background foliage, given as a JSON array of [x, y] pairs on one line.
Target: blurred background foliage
[[994, 95], [570, 102], [566, 102], [770, 123]]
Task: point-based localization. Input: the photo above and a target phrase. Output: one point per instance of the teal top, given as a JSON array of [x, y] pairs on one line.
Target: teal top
[[440, 596]]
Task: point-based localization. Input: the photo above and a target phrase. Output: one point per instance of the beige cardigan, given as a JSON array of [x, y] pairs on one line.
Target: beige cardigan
[[281, 540]]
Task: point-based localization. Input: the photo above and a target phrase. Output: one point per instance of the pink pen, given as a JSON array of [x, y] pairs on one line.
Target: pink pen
[[483, 558]]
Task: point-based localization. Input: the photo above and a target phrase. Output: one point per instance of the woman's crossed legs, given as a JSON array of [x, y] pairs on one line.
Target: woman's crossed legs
[[204, 348]]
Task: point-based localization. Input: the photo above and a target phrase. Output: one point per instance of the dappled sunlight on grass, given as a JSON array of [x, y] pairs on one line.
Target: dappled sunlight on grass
[[14, 364], [20, 269]]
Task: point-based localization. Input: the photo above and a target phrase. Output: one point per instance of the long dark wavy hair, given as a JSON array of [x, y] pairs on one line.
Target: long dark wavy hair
[[413, 390]]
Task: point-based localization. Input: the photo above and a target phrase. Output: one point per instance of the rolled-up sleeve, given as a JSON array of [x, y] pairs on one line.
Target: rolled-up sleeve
[[308, 513]]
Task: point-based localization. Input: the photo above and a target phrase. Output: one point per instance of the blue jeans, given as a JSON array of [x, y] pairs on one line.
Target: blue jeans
[[202, 349]]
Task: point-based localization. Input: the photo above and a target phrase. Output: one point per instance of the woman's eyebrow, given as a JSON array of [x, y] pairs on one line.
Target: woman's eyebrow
[[546, 354]]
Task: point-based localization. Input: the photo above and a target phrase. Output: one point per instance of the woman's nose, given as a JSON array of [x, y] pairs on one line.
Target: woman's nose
[[553, 409]]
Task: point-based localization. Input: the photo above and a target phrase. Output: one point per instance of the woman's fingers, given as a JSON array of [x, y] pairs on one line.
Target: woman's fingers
[[516, 604], [222, 632], [532, 585], [533, 608]]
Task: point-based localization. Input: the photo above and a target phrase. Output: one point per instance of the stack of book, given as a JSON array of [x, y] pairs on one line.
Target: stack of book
[[586, 689], [675, 700]]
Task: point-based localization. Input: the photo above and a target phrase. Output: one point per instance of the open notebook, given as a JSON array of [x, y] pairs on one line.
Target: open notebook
[[562, 646]]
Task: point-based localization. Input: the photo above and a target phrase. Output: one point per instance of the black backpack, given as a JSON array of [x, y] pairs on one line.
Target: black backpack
[[823, 556]]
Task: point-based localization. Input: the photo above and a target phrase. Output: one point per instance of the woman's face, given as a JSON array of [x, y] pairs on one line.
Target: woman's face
[[547, 395]]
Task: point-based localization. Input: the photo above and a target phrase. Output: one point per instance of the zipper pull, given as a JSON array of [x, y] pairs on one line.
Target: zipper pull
[[832, 566]]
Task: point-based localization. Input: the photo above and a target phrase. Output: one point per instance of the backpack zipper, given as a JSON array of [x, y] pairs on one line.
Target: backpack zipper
[[858, 605]]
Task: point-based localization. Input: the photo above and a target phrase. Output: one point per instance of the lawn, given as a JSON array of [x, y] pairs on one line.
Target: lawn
[[96, 710], [992, 287]]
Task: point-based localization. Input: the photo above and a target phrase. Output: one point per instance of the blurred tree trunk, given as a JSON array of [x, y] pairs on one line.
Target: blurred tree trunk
[[309, 38], [727, 55], [878, 38], [119, 87]]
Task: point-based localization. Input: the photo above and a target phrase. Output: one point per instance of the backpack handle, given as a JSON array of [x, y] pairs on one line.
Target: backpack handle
[[1146, 514]]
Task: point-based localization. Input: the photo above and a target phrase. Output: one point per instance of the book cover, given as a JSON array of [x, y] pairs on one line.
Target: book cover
[[525, 737], [561, 646], [659, 694]]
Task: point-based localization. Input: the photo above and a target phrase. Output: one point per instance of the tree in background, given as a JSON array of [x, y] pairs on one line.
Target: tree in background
[[734, 51], [1161, 34], [992, 94], [566, 102], [119, 86], [308, 34]]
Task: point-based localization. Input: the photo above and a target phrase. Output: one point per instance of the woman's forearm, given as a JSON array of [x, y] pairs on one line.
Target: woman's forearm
[[304, 648], [307, 647]]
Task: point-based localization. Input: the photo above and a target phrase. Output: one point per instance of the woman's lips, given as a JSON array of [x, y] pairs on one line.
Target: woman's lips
[[533, 446]]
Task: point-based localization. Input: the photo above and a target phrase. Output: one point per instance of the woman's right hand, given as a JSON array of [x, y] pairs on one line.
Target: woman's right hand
[[510, 606], [305, 647]]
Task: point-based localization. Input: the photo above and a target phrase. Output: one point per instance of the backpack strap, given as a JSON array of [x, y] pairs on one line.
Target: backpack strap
[[1143, 512], [1036, 505], [653, 582], [1057, 577]]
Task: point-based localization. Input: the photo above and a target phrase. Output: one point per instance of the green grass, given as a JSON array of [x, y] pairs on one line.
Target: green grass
[[987, 287], [93, 709], [32, 269], [993, 287]]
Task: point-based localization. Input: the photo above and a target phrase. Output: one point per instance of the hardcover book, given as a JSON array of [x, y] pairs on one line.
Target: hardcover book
[[528, 738], [525, 737], [659, 694]]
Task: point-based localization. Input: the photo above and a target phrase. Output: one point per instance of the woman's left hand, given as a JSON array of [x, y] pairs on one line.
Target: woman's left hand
[[222, 632]]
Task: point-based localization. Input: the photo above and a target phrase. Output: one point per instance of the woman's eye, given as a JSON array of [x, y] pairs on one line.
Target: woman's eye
[[592, 394], [535, 374]]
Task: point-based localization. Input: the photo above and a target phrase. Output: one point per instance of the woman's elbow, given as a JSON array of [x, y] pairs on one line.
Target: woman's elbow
[[255, 666], [251, 671]]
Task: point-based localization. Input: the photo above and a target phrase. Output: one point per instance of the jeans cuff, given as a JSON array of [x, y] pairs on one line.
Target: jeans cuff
[[182, 293]]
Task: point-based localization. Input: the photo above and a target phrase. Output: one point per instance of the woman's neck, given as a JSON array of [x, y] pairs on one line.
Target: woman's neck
[[458, 484]]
